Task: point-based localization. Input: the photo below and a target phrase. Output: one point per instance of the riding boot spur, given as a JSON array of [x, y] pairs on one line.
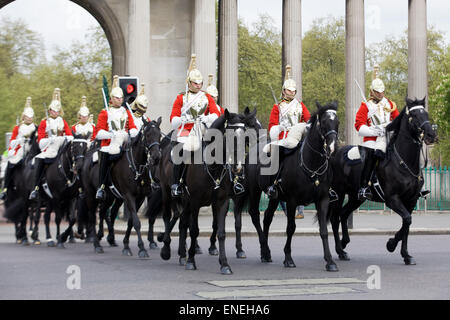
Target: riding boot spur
[[103, 170], [6, 181], [39, 165], [369, 161], [177, 182]]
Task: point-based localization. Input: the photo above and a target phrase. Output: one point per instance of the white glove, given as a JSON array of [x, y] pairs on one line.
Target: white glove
[[133, 132], [104, 135], [176, 122], [381, 130], [69, 138], [365, 131], [14, 143]]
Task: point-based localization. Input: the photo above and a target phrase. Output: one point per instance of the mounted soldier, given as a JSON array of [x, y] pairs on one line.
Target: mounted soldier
[[115, 123], [214, 93], [371, 120], [17, 144], [84, 127], [52, 133], [287, 122], [139, 108], [191, 112]]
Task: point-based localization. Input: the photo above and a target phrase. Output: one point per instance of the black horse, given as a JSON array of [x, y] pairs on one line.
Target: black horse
[[304, 177], [17, 204], [398, 174], [130, 177], [205, 184]]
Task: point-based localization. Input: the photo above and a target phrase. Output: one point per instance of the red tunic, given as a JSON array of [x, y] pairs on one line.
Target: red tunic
[[275, 117], [178, 104], [102, 124], [14, 135], [362, 118], [42, 133], [74, 129]]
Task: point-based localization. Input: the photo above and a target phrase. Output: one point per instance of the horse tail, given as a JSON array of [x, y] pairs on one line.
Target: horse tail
[[154, 205], [15, 211]]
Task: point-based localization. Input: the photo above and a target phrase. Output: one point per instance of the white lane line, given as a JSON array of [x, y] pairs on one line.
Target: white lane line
[[233, 294], [282, 282]]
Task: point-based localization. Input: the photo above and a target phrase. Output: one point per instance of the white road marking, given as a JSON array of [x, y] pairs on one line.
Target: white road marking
[[282, 282]]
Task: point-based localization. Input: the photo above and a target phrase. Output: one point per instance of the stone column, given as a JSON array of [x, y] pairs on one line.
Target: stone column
[[228, 55], [204, 38], [138, 51], [354, 65], [417, 49], [292, 41]]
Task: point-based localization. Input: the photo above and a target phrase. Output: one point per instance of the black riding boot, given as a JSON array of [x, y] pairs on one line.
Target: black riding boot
[[103, 170], [177, 181], [6, 181], [39, 165], [369, 161]]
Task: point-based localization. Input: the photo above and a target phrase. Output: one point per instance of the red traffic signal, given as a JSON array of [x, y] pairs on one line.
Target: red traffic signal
[[130, 88]]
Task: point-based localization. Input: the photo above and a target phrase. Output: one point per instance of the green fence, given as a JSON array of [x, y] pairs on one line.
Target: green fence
[[436, 179]]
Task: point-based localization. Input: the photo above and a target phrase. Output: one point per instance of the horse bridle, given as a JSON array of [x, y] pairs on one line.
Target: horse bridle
[[419, 128], [73, 160]]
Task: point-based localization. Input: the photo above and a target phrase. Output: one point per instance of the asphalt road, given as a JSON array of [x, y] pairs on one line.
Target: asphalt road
[[41, 272]]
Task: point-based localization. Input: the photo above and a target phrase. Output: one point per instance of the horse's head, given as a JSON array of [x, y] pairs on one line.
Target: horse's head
[[326, 122], [78, 148], [418, 122], [151, 137]]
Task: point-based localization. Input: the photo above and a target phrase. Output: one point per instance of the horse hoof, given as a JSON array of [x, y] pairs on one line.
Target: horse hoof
[[182, 261], [190, 266], [51, 243], [160, 237], [289, 264], [332, 267], [226, 270], [241, 254], [153, 245], [198, 250], [72, 240], [143, 254], [127, 252], [25, 242], [36, 242], [165, 253], [344, 243], [19, 241], [60, 245], [344, 257], [409, 261], [391, 245], [112, 243], [99, 250], [213, 251], [266, 259]]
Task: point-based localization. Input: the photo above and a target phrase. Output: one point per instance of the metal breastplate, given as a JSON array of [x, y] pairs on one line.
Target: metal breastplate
[[25, 130], [55, 127], [292, 116], [84, 129], [199, 106], [118, 117], [377, 113]]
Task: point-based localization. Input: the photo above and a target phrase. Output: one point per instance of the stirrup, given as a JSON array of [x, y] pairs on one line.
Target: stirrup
[[272, 192], [176, 190], [238, 188], [424, 193], [333, 195], [364, 194], [34, 194], [100, 195]]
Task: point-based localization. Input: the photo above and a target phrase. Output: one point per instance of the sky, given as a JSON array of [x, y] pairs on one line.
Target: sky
[[62, 21]]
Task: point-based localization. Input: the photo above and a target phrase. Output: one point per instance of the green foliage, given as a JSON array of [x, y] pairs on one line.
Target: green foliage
[[77, 71]]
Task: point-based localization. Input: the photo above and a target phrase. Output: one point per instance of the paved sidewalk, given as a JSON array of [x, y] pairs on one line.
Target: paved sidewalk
[[367, 223]]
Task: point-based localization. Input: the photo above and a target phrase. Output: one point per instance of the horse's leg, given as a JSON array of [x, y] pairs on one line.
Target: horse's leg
[[397, 205], [35, 219], [254, 214], [58, 218], [110, 220], [92, 234], [212, 248], [193, 233], [221, 210], [103, 212], [126, 239], [151, 222], [183, 227], [268, 216], [47, 216], [336, 216], [238, 205], [290, 229], [130, 202], [165, 250], [322, 211]]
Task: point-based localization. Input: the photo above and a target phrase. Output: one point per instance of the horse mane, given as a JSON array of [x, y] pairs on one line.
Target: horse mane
[[219, 123]]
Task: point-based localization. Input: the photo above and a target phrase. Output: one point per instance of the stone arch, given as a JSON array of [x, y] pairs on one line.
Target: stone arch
[[108, 20]]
